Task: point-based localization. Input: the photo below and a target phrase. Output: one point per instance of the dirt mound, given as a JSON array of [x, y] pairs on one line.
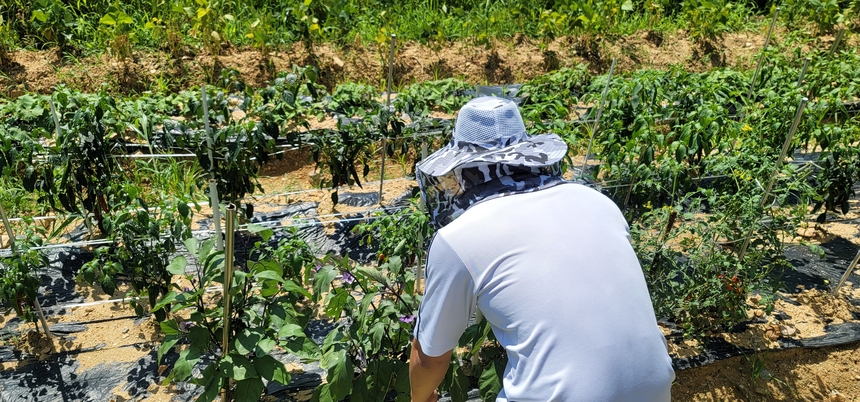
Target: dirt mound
[[516, 59]]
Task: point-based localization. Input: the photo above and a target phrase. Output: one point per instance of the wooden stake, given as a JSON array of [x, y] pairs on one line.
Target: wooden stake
[[228, 278]]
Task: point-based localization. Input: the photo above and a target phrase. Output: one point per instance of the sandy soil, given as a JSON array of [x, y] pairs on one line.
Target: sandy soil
[[826, 374]]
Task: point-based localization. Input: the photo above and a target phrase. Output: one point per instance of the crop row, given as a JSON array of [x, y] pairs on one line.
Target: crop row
[[689, 155], [100, 25]]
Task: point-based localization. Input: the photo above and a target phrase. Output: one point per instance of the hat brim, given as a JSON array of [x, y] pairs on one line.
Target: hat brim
[[537, 150]]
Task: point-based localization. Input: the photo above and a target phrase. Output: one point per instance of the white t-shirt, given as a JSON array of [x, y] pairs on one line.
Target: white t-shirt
[[555, 275]]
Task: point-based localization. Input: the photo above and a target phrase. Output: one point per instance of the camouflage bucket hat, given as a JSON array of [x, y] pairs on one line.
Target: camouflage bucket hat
[[489, 144]]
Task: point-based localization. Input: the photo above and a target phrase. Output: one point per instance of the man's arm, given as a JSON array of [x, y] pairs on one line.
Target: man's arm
[[426, 373]]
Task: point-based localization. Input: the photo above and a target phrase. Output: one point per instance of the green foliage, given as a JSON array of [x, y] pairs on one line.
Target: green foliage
[[143, 239], [354, 99], [550, 98], [708, 19], [686, 155], [692, 262], [825, 14], [83, 152], [264, 314], [366, 354], [841, 169], [53, 22], [401, 234], [19, 275], [174, 25], [118, 25], [447, 95]]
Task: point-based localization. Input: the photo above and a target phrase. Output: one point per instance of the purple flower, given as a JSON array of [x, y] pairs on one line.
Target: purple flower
[[348, 278], [186, 325], [186, 289], [407, 318], [317, 268]]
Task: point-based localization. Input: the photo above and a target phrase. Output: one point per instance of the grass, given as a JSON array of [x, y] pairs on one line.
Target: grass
[[163, 177]]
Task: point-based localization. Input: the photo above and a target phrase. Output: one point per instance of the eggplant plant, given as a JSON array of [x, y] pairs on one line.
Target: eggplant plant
[[366, 354], [266, 317]]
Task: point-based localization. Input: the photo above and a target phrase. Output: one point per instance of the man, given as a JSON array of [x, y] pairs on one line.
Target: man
[[548, 262]]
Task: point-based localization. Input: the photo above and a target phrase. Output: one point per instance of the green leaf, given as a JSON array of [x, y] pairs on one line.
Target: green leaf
[[264, 347], [237, 367], [291, 330], [263, 231], [334, 308], [303, 347], [364, 307], [199, 337], [108, 285], [187, 359], [247, 340], [340, 375], [459, 385], [249, 390], [168, 343], [185, 211], [168, 298], [212, 386], [170, 327], [269, 275], [272, 370], [293, 287], [107, 20], [376, 332], [402, 381], [177, 266], [322, 280], [123, 18], [40, 15], [359, 390], [191, 245], [627, 5], [267, 265], [372, 273], [490, 383]]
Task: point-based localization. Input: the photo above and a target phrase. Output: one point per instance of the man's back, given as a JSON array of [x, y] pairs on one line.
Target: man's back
[[555, 275]]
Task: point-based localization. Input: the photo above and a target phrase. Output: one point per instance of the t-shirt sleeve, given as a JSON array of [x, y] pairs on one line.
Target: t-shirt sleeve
[[449, 300]]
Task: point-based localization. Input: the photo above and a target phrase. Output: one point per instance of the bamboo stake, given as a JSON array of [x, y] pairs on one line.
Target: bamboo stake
[[776, 170], [216, 214], [228, 277], [597, 118], [11, 235], [847, 272], [388, 110], [763, 49]]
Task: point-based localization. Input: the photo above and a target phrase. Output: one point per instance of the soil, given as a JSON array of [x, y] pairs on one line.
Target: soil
[[826, 374], [500, 61], [111, 332]]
